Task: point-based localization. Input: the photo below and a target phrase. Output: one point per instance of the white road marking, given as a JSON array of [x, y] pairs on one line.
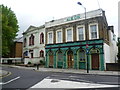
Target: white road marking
[[2, 83], [105, 82], [55, 75], [46, 83], [73, 76]]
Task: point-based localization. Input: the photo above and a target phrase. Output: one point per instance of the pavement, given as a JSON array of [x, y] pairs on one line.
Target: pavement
[[77, 71]]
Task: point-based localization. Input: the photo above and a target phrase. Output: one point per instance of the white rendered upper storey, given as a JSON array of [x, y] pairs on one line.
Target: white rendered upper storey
[[78, 17]]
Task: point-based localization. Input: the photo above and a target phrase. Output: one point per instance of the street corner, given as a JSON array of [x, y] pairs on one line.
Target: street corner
[[4, 73]]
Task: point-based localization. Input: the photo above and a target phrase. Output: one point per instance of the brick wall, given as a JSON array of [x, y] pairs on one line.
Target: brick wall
[[18, 49], [102, 27]]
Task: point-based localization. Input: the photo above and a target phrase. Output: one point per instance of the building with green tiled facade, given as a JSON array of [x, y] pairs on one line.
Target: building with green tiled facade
[[79, 43]]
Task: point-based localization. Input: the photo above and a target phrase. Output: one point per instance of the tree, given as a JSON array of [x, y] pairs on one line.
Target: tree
[[118, 51], [9, 29]]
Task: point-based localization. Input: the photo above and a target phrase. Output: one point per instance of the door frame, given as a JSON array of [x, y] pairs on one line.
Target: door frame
[[98, 62], [78, 58], [70, 61], [51, 65], [98, 52]]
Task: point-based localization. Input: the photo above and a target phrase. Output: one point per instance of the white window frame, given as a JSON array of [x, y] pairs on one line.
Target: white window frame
[[83, 32], [48, 37], [61, 36], [90, 31], [66, 34]]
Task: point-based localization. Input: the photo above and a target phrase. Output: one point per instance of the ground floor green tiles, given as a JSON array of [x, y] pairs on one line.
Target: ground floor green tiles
[[74, 55]]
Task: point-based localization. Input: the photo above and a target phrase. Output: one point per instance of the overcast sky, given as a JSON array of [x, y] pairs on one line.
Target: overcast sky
[[37, 12]]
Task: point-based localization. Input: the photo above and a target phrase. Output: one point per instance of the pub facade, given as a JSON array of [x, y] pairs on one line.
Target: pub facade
[[80, 43]]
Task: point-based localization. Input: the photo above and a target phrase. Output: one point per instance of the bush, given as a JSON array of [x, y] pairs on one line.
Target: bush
[[42, 62], [29, 63]]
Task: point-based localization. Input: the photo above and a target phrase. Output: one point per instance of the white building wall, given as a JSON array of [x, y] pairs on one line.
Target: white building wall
[[37, 47], [65, 20], [41, 46], [106, 53], [113, 47]]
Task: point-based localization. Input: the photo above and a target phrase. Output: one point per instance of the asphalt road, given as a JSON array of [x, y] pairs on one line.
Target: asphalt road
[[24, 78], [27, 78]]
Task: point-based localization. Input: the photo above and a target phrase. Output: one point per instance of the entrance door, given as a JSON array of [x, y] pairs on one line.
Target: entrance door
[[95, 61], [70, 60], [9, 61], [50, 60]]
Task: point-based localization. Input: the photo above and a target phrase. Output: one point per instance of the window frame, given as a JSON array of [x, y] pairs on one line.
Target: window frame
[[90, 36], [31, 53], [49, 38], [25, 42], [67, 34], [83, 58], [41, 53], [60, 30], [78, 33], [31, 40], [41, 38]]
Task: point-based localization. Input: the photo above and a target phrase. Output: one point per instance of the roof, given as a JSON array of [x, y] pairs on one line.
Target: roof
[[30, 28], [20, 39]]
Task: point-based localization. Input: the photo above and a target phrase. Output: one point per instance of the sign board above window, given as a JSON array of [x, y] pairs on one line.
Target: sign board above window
[[75, 17]]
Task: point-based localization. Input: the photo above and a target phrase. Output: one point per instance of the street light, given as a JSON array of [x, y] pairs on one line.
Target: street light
[[86, 41]]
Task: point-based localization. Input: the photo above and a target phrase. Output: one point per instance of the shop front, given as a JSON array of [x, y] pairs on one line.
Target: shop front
[[73, 55]]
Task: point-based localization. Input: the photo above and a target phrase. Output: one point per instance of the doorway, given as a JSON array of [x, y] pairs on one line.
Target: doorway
[[70, 59], [95, 59], [51, 62]]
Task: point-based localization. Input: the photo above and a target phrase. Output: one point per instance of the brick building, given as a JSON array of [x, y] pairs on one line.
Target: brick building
[[18, 48], [72, 42], [16, 51]]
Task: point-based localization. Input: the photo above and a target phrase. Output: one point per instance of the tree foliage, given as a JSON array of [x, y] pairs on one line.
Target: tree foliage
[[9, 29], [118, 51]]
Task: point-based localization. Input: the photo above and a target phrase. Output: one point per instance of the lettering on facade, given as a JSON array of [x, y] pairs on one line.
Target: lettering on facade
[[73, 18]]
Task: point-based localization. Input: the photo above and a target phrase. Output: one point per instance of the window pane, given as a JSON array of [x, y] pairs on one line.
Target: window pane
[[60, 56], [80, 33], [41, 38], [69, 35], [93, 29], [50, 37], [59, 36], [82, 55]]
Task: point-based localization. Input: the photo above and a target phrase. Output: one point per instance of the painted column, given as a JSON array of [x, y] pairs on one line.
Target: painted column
[[64, 61], [75, 60], [54, 58], [46, 61], [89, 63], [102, 67]]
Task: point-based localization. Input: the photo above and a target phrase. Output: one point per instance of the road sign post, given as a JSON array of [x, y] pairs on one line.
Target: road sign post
[[87, 52]]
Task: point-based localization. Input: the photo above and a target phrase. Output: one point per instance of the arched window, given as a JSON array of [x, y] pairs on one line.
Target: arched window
[[81, 55], [41, 38], [31, 40], [60, 56], [25, 42], [41, 53]]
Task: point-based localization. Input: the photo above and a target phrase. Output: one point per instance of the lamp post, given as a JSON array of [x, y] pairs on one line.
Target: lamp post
[[86, 41]]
